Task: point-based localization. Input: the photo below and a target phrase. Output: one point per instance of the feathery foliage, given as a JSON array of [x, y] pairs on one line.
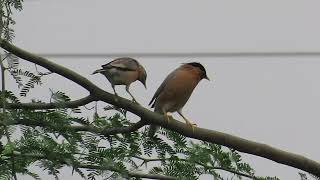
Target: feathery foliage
[[49, 140]]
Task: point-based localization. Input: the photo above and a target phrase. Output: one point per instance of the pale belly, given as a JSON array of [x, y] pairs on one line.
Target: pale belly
[[117, 77]]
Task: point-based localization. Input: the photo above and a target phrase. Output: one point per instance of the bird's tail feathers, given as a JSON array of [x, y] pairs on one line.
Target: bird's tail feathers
[[152, 130]]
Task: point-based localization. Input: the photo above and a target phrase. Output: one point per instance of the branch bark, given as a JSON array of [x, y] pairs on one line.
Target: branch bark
[[240, 144]]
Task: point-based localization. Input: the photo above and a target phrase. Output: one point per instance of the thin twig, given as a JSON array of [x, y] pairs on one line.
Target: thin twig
[[88, 108], [69, 104], [7, 55], [88, 128], [41, 73], [146, 160], [110, 131]]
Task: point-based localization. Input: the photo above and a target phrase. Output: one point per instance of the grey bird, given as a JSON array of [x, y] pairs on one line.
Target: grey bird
[[123, 71], [175, 91]]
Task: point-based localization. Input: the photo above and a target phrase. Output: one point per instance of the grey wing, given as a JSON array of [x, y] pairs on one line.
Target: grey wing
[[160, 89], [125, 64]]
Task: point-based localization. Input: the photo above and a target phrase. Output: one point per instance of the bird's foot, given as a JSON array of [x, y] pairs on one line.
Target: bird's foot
[[168, 117], [135, 101], [191, 125]]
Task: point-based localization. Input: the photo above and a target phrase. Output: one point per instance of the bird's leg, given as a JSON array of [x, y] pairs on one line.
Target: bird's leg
[[115, 93], [167, 115], [114, 90], [188, 122], [133, 99]]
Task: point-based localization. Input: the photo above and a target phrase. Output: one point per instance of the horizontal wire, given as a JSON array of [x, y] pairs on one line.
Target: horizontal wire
[[183, 54]]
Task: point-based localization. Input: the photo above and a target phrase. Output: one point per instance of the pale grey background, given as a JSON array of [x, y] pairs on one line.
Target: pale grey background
[[271, 100]]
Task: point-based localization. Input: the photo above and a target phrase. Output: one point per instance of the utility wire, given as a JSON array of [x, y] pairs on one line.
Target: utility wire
[[185, 54]]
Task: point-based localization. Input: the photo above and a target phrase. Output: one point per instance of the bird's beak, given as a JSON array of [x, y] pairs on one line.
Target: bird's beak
[[145, 85], [97, 71], [207, 78]]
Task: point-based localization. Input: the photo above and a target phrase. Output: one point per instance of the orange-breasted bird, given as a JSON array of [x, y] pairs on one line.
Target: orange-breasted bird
[[123, 71], [175, 91]]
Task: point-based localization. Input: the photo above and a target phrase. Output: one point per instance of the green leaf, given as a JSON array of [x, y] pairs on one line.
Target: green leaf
[[8, 149]]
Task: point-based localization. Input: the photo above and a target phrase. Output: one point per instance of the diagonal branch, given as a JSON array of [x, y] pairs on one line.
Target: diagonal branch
[[69, 104], [240, 144]]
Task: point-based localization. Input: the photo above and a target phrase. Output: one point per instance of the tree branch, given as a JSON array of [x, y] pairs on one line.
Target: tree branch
[[212, 136], [88, 128], [89, 166], [110, 131], [69, 104]]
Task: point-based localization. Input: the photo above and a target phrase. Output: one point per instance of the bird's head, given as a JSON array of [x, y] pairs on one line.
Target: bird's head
[[200, 68], [142, 76]]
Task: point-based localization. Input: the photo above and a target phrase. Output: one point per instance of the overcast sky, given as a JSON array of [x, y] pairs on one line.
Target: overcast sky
[[272, 100]]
